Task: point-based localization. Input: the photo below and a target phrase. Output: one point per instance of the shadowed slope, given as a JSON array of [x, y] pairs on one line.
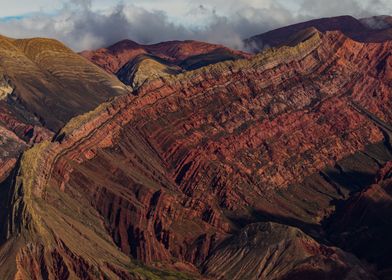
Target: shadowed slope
[[376, 29], [43, 84], [363, 224], [187, 54], [274, 251], [167, 174]]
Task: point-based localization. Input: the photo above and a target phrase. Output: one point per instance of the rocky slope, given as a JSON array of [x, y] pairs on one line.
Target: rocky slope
[[374, 29], [143, 68], [169, 174], [52, 82], [113, 58], [134, 64], [259, 250], [363, 224], [43, 84]]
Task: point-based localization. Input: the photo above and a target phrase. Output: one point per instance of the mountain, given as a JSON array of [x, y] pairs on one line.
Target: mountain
[[259, 250], [374, 29], [132, 62], [43, 84], [52, 82], [113, 58], [274, 165]]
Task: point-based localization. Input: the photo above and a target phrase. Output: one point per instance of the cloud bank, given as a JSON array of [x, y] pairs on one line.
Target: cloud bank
[[227, 22]]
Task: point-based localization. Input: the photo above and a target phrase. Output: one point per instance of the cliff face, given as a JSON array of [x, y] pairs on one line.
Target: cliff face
[[171, 173]]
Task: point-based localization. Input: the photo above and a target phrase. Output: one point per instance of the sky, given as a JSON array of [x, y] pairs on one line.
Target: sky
[[91, 24]]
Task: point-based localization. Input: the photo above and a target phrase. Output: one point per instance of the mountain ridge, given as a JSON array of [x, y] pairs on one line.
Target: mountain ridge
[[56, 171], [170, 171], [360, 30]]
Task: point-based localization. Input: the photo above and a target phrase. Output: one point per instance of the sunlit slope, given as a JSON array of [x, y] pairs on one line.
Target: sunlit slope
[[53, 82]]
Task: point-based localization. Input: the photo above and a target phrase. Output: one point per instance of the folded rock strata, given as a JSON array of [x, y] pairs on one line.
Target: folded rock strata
[[169, 173]]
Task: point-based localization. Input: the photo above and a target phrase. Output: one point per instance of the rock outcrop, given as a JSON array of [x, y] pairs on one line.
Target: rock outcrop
[[43, 84], [259, 250], [5, 88], [169, 173], [143, 68]]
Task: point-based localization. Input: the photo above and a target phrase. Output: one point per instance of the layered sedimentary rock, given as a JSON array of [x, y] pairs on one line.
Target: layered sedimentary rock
[[259, 250], [143, 68], [135, 64], [171, 172], [113, 58], [52, 82], [43, 84]]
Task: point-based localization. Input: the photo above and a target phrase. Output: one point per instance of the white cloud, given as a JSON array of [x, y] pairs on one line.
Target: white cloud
[[86, 24], [81, 27], [358, 8], [20, 7]]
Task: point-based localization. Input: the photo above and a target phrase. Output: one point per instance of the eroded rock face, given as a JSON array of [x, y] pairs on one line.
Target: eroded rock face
[[5, 88], [231, 151], [259, 250], [136, 64], [43, 84], [363, 224], [113, 58], [168, 173]]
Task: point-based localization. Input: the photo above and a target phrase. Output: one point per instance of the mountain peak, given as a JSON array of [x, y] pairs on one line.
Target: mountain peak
[[190, 160], [113, 58], [358, 30]]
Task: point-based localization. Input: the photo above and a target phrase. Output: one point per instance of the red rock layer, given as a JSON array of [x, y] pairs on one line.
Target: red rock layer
[[42, 85], [17, 134], [113, 58], [189, 159]]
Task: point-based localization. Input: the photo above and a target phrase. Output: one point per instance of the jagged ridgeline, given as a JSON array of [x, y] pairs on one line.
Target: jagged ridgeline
[[234, 170]]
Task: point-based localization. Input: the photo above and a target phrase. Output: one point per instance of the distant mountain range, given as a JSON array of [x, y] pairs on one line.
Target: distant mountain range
[[374, 29]]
